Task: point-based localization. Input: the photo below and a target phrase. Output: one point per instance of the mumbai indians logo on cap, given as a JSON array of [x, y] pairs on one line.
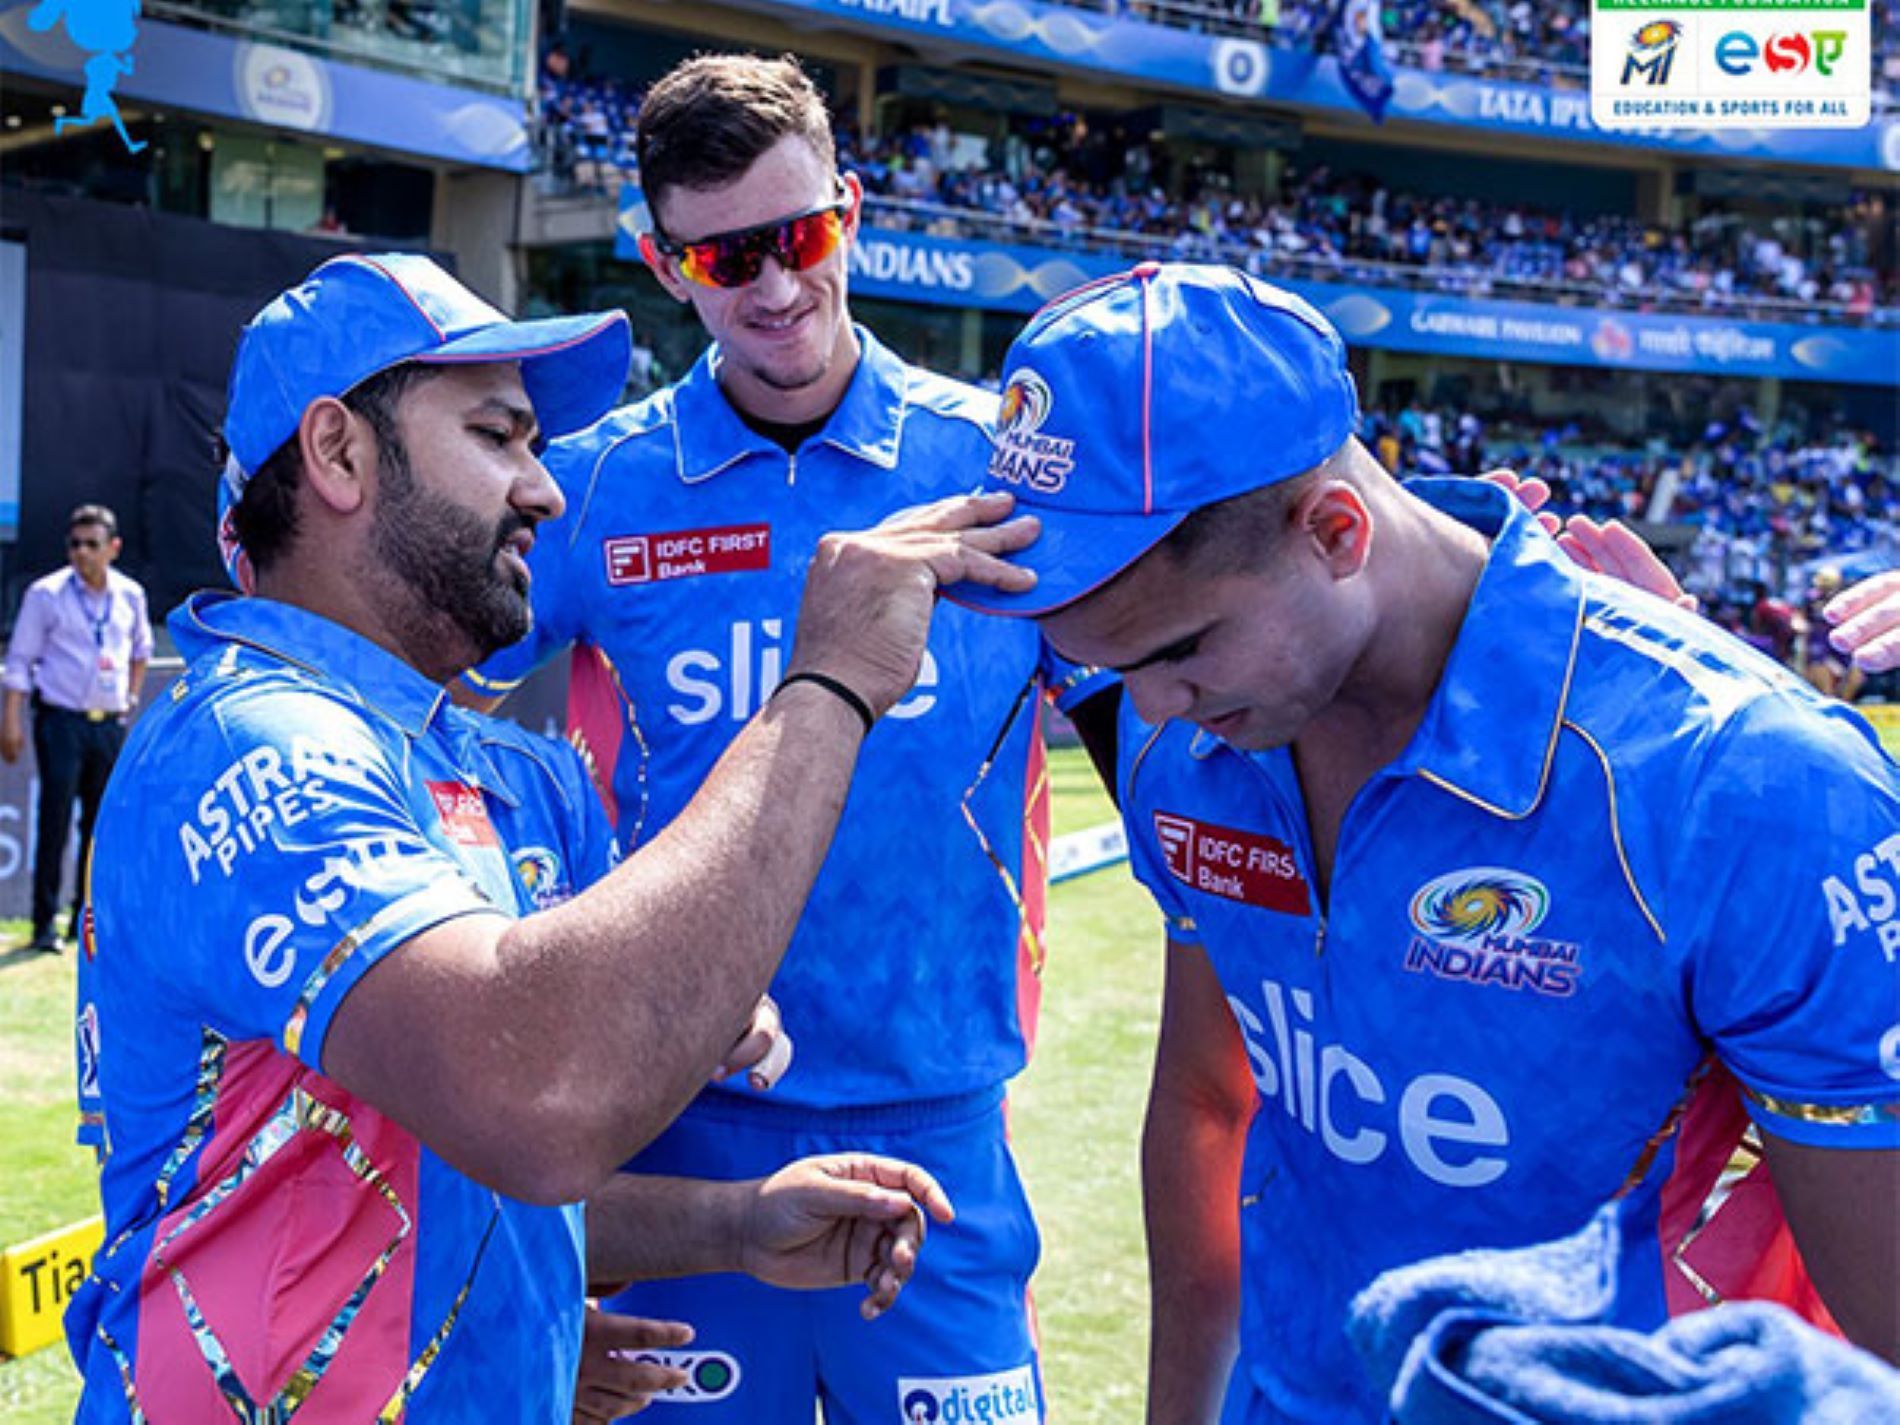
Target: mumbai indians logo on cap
[[1479, 903], [1024, 455]]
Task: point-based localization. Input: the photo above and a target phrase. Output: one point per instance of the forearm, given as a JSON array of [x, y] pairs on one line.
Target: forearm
[[12, 714], [538, 1055], [135, 680], [640, 1228], [1193, 1228], [672, 951]]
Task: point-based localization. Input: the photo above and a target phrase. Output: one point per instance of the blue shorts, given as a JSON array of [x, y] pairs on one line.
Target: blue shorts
[[959, 1345]]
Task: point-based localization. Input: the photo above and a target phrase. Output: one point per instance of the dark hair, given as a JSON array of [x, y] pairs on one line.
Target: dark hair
[[94, 514], [1239, 533], [265, 519], [703, 124]]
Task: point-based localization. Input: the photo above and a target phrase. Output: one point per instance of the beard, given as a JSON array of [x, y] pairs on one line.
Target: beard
[[445, 556]]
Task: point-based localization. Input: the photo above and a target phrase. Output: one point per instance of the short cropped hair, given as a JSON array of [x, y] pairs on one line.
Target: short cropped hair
[[706, 122], [265, 519], [94, 514], [1237, 535]]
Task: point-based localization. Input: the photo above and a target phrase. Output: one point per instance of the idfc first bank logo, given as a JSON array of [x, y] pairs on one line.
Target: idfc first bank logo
[[106, 31]]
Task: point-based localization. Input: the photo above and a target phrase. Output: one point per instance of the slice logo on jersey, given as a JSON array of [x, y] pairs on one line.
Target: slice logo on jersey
[[687, 553], [710, 1375], [540, 873], [1865, 900], [464, 814], [1236, 865], [1023, 454], [1475, 926], [969, 1400]]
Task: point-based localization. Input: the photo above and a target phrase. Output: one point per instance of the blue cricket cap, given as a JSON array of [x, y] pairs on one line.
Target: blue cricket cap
[[358, 315], [1134, 400]]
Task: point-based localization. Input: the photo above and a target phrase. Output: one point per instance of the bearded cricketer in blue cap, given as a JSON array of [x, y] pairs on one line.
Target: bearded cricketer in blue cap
[[346, 1082], [1495, 890]]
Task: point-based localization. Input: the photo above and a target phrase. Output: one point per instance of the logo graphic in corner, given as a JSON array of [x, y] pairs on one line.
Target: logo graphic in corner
[[1476, 925], [104, 31], [1024, 455], [1652, 52], [969, 1400], [710, 1375]]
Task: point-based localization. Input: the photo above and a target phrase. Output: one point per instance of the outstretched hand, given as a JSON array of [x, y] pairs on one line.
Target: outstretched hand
[[1866, 619], [869, 594], [841, 1218]]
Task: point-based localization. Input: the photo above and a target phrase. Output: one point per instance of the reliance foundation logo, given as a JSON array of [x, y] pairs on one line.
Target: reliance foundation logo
[[1476, 926]]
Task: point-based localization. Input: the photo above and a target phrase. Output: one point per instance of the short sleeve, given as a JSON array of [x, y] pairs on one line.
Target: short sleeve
[[1789, 863], [296, 861], [28, 640]]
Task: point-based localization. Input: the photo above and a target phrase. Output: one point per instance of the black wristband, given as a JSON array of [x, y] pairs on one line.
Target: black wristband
[[837, 690]]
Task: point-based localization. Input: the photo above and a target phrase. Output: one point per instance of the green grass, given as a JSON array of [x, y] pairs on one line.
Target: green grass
[[1075, 1122]]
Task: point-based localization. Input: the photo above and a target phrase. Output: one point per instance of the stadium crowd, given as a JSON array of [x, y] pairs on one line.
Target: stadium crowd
[[1774, 518], [1546, 44], [1070, 183]]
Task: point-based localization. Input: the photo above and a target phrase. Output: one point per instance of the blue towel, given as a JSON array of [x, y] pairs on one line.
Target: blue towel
[[1483, 1337]]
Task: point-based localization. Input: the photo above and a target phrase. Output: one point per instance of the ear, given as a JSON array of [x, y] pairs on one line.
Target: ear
[[339, 454], [853, 215], [1335, 519], [676, 286]]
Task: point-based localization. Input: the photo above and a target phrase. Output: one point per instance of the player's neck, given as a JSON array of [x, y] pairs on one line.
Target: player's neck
[[95, 582], [1427, 566]]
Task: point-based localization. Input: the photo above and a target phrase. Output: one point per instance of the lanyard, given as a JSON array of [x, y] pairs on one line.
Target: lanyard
[[99, 620]]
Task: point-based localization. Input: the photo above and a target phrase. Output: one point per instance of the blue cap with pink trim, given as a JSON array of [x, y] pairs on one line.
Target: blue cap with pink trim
[[1133, 401], [358, 315]]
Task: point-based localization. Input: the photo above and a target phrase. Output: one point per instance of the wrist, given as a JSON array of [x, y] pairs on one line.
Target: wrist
[[834, 688]]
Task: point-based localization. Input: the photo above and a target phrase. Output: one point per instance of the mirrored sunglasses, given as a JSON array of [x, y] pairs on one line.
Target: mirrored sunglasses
[[736, 258]]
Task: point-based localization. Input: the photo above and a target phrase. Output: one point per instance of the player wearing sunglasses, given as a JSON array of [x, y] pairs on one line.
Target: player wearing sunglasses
[[911, 985]]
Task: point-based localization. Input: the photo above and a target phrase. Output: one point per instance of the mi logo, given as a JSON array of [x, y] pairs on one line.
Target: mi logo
[[1652, 52]]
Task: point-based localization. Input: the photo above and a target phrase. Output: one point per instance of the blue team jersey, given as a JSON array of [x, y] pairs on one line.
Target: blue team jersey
[[301, 805], [681, 557], [1624, 865]]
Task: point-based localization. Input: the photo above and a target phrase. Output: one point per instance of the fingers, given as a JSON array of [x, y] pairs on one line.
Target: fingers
[[958, 512], [769, 1070], [1614, 549], [617, 1376], [1866, 619], [906, 1183], [765, 1049], [1531, 492]]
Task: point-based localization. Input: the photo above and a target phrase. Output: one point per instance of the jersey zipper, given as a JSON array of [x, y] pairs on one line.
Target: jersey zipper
[[791, 470]]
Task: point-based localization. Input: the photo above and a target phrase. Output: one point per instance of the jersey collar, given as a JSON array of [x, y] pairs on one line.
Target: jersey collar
[[710, 438], [379, 680], [1491, 729]]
